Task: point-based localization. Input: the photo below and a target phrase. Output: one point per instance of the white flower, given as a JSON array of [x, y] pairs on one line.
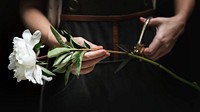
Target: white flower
[[23, 58]]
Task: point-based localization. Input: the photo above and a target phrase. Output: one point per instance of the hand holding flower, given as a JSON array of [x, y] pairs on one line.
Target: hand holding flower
[[90, 58]]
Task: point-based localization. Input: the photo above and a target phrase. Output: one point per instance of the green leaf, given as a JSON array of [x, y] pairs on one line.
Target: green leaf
[[47, 72], [37, 47], [79, 59], [59, 59], [66, 35], [71, 41], [57, 51], [73, 56], [67, 74], [58, 37], [123, 64], [75, 44], [60, 69], [41, 63], [86, 45], [65, 60], [123, 48]]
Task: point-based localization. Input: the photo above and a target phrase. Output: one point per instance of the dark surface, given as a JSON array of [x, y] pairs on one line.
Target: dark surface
[[14, 96]]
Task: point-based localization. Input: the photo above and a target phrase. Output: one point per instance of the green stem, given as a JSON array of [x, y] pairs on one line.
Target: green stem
[[192, 84]]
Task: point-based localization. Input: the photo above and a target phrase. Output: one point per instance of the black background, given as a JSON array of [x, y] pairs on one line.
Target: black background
[[14, 96], [24, 96]]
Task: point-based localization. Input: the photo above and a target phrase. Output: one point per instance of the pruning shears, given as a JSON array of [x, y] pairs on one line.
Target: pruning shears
[[139, 48]]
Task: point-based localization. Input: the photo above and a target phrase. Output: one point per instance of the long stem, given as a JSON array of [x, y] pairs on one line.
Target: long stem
[[192, 84], [42, 57]]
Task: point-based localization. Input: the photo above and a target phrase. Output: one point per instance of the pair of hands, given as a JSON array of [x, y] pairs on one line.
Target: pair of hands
[[168, 31]]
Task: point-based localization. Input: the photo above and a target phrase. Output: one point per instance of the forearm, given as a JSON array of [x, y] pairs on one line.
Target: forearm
[[34, 19], [183, 9]]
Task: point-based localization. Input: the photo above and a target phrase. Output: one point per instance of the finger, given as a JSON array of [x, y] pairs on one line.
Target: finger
[[92, 62], [163, 50], [95, 54], [152, 22], [87, 66], [83, 71], [89, 63], [153, 47], [93, 46], [81, 41], [86, 70], [158, 54]]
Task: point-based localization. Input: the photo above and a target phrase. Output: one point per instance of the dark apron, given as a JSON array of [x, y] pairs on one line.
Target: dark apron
[[138, 87]]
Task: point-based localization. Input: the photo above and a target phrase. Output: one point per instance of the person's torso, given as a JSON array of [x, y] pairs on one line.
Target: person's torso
[[105, 7]]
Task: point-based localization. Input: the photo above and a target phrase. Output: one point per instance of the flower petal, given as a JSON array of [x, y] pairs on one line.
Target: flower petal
[[29, 74], [29, 59], [38, 75], [35, 38], [46, 78], [27, 35], [13, 61], [19, 72]]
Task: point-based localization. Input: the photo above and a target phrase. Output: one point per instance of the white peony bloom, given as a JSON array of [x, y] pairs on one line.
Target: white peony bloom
[[23, 58]]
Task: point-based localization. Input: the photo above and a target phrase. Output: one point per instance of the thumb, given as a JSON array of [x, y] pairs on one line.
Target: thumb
[[152, 22], [94, 46], [81, 41]]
